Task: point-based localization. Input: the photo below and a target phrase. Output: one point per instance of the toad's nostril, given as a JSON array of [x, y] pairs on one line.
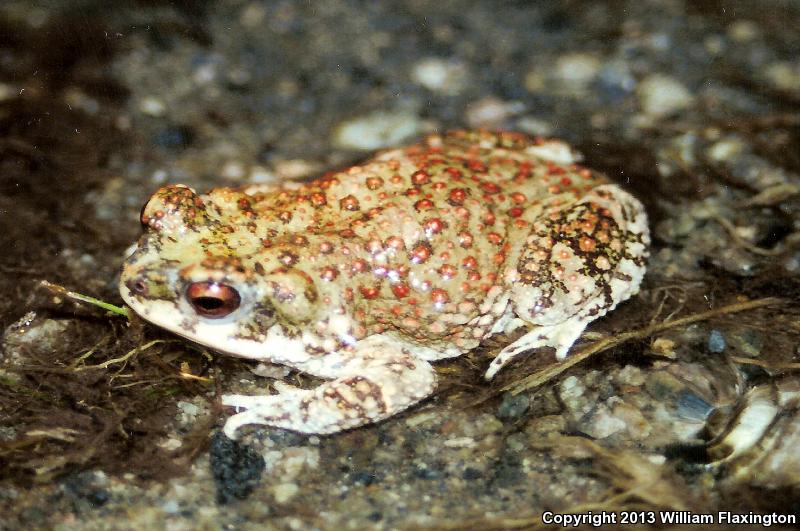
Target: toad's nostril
[[137, 286]]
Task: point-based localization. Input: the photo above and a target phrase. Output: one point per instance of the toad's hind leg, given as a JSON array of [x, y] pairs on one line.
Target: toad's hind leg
[[371, 382], [576, 264]]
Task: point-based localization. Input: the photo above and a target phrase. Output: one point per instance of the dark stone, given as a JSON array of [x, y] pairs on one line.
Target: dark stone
[[471, 474], [427, 473], [513, 406], [364, 478], [236, 468], [83, 486], [175, 137], [286, 437]]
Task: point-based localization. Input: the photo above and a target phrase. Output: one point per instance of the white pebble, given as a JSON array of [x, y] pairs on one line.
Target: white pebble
[[577, 69], [376, 130], [662, 95], [492, 112], [152, 106], [285, 492], [440, 75]]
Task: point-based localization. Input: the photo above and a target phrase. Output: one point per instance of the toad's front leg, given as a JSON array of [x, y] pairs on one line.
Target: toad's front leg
[[374, 380]]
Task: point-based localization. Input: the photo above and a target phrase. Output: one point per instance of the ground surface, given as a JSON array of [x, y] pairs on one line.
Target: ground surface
[[693, 106]]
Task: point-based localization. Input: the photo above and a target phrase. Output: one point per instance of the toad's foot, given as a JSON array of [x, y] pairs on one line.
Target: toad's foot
[[370, 386], [560, 336]]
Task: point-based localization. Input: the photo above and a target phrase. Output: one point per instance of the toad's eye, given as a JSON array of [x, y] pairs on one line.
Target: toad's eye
[[212, 300]]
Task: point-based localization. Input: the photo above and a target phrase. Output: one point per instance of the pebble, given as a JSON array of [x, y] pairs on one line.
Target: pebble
[[188, 408], [295, 169], [630, 375], [576, 70], [725, 149], [491, 112], [377, 130], [534, 126], [253, 15], [445, 76], [31, 333], [784, 75], [285, 492], [233, 170], [471, 474], [236, 468], [571, 388], [170, 507], [743, 31], [692, 406], [601, 423], [460, 442], [664, 347], [513, 406], [152, 106], [662, 95], [716, 342], [6, 92]]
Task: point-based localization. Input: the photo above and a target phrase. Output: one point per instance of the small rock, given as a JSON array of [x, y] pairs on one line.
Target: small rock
[[471, 474], [630, 375], [662, 95], [571, 389], [534, 126], [376, 130], [600, 423], [692, 406], [6, 92], [171, 507], [233, 170], [253, 15], [236, 468], [170, 444], [576, 70], [784, 75], [284, 492], [513, 406], [295, 169], [174, 137], [716, 342], [448, 77], [460, 442], [636, 426], [491, 112], [743, 31], [423, 471], [32, 333], [725, 149], [89, 486], [364, 478], [152, 106], [188, 408]]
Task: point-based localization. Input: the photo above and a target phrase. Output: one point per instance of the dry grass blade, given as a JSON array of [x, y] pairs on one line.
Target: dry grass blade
[[127, 356], [538, 378], [765, 364]]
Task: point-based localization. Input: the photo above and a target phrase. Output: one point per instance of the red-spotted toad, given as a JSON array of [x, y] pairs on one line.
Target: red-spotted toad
[[365, 276]]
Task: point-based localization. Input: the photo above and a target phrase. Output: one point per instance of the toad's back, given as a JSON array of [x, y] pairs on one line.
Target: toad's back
[[423, 234]]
